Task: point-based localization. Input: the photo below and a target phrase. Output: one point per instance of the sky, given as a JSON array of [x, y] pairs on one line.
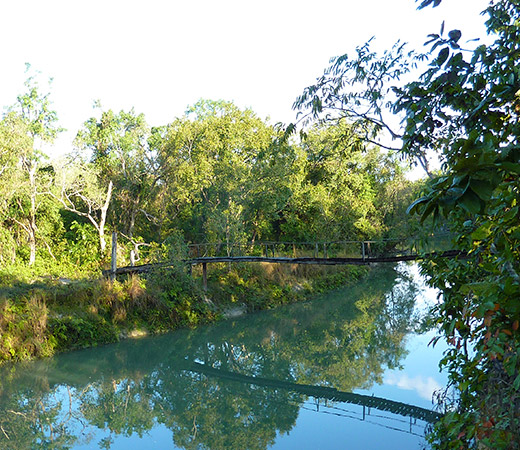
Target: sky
[[160, 56]]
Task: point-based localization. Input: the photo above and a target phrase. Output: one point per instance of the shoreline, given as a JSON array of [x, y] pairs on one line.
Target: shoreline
[[58, 317]]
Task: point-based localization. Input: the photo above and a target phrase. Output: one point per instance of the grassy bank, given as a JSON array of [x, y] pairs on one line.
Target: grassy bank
[[41, 317]]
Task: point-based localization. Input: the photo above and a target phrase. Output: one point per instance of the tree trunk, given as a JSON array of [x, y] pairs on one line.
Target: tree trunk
[[32, 215], [133, 215], [103, 219], [423, 161]]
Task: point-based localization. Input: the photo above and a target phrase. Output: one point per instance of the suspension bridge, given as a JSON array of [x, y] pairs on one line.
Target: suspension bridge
[[348, 252]]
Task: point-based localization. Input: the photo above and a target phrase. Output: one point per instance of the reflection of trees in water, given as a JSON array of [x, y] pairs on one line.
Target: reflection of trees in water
[[31, 419], [211, 413], [130, 387]]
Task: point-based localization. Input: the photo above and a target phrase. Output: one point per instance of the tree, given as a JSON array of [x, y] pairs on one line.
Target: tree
[[31, 115], [13, 141], [211, 163], [466, 107], [78, 189], [119, 148], [113, 166], [341, 179], [362, 90]]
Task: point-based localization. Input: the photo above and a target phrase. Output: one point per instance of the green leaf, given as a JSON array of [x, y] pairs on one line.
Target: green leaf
[[483, 188], [470, 202], [482, 232], [511, 214], [455, 35], [511, 167], [428, 210], [478, 288], [413, 207], [443, 56], [465, 163]]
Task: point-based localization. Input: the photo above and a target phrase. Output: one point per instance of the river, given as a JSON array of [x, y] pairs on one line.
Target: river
[[344, 371]]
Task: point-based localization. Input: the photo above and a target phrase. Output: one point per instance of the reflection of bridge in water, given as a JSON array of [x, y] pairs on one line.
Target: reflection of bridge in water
[[322, 392]]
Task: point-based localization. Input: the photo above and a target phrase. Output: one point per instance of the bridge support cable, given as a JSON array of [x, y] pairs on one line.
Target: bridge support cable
[[331, 255]]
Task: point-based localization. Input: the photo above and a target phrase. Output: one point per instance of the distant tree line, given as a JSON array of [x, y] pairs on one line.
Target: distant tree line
[[218, 173]]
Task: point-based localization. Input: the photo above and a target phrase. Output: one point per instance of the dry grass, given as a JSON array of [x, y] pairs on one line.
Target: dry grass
[[23, 327], [292, 272]]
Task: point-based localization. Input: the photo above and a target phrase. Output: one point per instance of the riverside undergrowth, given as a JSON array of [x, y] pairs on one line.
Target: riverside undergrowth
[[43, 316]]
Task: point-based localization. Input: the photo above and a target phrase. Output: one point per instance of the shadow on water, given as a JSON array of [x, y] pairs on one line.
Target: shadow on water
[[238, 384]]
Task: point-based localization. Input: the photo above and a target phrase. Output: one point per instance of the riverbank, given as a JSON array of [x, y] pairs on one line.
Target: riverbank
[[267, 378], [46, 316]]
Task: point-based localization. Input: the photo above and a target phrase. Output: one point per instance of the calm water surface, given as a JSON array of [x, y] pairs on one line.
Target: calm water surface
[[341, 372]]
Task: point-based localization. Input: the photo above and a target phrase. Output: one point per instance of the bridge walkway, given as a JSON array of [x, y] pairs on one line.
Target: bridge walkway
[[321, 253]]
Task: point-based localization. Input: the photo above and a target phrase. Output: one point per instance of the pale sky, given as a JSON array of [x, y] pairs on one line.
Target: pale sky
[[161, 56]]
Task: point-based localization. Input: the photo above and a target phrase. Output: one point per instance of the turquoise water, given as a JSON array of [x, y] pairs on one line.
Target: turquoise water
[[281, 379]]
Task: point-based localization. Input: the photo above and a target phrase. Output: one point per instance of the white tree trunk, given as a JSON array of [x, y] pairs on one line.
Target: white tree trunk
[[103, 219], [32, 215]]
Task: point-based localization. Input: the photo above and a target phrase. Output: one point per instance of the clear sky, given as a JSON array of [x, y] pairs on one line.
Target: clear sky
[[159, 56]]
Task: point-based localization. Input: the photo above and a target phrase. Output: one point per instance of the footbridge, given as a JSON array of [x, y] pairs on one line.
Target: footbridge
[[351, 252]]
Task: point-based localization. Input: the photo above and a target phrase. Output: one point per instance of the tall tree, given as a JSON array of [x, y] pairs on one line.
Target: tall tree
[[115, 148], [38, 120], [13, 141], [207, 163], [341, 180], [78, 189]]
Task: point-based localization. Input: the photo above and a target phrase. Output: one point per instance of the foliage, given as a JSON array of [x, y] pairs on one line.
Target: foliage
[[361, 90], [30, 122], [264, 286], [119, 150], [82, 246], [217, 164], [342, 189], [465, 107], [35, 110], [23, 328], [71, 332], [178, 295]]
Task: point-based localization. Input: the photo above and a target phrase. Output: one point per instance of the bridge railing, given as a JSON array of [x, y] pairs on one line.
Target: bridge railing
[[320, 252], [321, 249]]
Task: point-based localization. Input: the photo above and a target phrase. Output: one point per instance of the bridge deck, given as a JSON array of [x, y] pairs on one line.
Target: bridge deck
[[322, 261], [287, 260]]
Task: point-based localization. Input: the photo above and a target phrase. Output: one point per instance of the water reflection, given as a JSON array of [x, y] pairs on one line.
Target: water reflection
[[237, 385], [322, 392]]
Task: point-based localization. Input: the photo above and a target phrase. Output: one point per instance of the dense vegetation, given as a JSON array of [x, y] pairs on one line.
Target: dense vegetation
[[217, 174], [465, 107]]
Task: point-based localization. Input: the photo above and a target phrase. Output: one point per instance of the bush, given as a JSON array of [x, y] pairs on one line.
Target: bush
[[73, 332]]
